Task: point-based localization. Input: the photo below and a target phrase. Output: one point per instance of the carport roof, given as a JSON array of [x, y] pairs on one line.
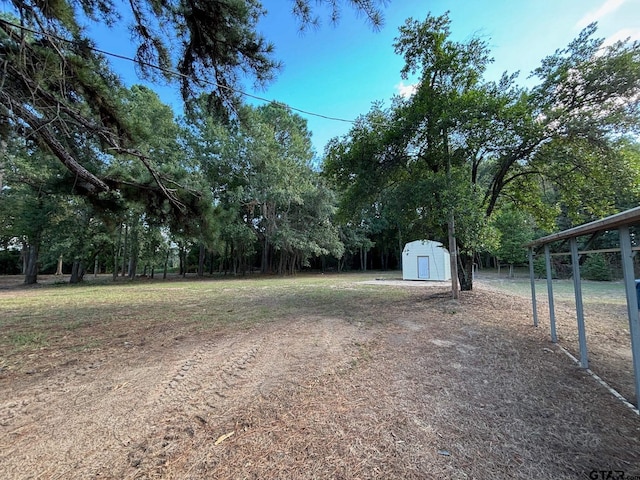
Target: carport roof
[[628, 217]]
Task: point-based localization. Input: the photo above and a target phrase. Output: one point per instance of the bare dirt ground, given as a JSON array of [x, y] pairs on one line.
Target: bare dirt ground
[[422, 387]]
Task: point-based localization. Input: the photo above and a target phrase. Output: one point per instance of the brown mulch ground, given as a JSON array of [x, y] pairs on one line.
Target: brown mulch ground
[[432, 389]]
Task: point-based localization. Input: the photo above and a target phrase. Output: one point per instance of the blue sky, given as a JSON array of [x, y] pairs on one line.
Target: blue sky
[[340, 70]]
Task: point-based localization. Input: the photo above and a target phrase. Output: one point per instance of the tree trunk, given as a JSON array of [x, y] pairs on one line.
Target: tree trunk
[[451, 227], [225, 259], [181, 258], [59, 269], [233, 260], [133, 265], [400, 248], [24, 255], [114, 274], [134, 248], [202, 255], [31, 266], [465, 272], [183, 261], [453, 258], [363, 259], [124, 250], [264, 258], [96, 267], [166, 264], [77, 272], [3, 154], [116, 249], [243, 262]]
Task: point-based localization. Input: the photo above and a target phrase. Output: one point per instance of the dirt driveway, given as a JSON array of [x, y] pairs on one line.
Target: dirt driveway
[[423, 388]]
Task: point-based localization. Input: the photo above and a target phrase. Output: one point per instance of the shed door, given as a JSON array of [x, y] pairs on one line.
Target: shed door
[[423, 267]]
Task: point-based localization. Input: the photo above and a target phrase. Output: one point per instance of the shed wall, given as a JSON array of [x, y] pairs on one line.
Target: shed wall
[[439, 267]]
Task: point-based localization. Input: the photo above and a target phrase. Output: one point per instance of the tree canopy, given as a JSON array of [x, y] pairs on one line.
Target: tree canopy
[[58, 91], [462, 144], [108, 173]]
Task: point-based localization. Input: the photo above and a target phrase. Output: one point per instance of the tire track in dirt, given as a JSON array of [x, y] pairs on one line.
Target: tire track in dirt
[[31, 401], [206, 393], [140, 412], [76, 420], [198, 389], [229, 374]]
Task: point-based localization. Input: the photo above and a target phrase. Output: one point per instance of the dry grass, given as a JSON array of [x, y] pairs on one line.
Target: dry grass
[[321, 378], [606, 324]]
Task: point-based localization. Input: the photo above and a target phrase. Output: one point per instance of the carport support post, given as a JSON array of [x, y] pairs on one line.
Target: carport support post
[[632, 303], [552, 310], [533, 288], [577, 286]]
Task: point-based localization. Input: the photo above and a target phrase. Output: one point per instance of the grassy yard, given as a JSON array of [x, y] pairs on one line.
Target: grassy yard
[[94, 314], [312, 376], [563, 290]]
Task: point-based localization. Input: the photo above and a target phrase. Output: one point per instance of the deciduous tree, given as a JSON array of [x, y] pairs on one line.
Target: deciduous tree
[[462, 145]]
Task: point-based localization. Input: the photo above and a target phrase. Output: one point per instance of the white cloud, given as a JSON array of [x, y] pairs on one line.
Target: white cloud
[[622, 35], [607, 7], [406, 91]]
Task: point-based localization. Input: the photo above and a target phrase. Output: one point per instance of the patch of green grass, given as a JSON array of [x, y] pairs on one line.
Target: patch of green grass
[[74, 316], [88, 345], [28, 339], [76, 324], [563, 290]]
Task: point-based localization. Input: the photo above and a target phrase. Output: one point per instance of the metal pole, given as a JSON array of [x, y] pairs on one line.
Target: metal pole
[[582, 337], [533, 288], [632, 303], [552, 310], [453, 258]]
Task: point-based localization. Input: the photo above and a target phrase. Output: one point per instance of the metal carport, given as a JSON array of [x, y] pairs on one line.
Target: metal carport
[[621, 222]]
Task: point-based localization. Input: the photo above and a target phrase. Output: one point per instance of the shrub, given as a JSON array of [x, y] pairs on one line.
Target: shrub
[[540, 268], [9, 262], [597, 268]]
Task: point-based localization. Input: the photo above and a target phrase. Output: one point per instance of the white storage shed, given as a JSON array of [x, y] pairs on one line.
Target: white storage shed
[[425, 260]]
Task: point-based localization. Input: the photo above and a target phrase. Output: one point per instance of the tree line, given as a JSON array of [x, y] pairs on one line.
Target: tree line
[[256, 200], [94, 172]]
